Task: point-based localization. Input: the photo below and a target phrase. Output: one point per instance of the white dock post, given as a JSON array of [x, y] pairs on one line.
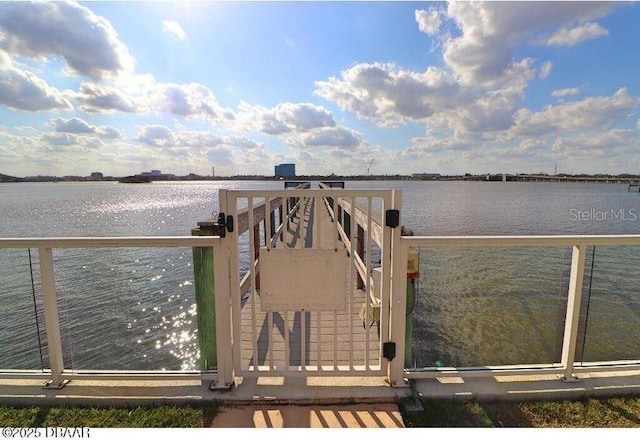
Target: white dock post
[[398, 299], [573, 311], [51, 317]]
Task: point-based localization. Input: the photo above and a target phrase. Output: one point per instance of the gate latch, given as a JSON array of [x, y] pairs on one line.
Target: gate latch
[[220, 227]]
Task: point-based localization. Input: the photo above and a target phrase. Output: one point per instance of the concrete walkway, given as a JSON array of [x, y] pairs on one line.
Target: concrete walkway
[[373, 415], [275, 402], [314, 402]]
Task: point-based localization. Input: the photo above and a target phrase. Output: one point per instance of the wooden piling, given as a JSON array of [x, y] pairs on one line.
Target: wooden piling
[[408, 332], [205, 302]]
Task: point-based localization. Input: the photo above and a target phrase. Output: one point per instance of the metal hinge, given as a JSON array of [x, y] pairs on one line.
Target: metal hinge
[[389, 350], [392, 218], [220, 227]]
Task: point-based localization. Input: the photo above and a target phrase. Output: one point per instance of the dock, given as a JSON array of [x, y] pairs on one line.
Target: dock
[[300, 331]]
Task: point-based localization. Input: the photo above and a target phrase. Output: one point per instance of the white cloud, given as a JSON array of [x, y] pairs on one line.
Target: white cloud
[[25, 91], [88, 43], [155, 135], [110, 132], [590, 114], [189, 100], [490, 31], [614, 141], [560, 93], [299, 125], [81, 127], [428, 21], [174, 28], [99, 98], [482, 86], [60, 138], [340, 137], [389, 95], [577, 34], [286, 117], [204, 139], [545, 70], [73, 125], [486, 113]]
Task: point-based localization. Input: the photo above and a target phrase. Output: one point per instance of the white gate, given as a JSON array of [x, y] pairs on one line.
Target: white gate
[[311, 281]]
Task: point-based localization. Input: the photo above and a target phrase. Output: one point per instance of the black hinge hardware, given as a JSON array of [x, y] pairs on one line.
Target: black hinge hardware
[[389, 350], [219, 227], [392, 218]]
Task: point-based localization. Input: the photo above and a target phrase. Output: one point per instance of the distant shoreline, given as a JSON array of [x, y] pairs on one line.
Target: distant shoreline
[[598, 178]]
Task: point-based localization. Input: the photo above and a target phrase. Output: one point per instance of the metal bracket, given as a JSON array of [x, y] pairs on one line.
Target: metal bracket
[[389, 350], [51, 385], [220, 227], [221, 386], [392, 218], [570, 379]]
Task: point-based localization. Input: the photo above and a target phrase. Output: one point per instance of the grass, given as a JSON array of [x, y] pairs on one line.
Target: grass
[[189, 416], [619, 412]]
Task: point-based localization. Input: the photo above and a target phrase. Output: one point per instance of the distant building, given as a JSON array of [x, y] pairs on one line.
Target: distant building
[[426, 176], [285, 170], [97, 176], [156, 175], [152, 173]]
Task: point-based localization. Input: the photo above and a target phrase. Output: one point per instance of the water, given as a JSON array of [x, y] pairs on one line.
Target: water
[[482, 306]]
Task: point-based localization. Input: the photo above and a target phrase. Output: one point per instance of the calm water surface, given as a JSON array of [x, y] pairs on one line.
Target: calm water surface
[[473, 307]]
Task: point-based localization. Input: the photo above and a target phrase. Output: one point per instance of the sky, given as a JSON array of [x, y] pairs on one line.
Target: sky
[[350, 88]]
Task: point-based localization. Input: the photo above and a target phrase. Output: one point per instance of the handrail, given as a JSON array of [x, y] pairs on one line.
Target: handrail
[[57, 374], [259, 214], [361, 267], [521, 240], [579, 245], [111, 242], [361, 217]]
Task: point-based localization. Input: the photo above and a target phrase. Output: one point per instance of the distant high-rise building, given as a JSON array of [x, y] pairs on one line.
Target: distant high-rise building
[[285, 170]]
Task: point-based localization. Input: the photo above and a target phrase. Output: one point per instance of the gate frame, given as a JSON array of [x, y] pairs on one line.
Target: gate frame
[[393, 287]]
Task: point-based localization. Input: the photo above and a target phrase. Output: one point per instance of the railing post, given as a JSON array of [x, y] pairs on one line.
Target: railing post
[[228, 307], [224, 311], [398, 300], [51, 317], [573, 311]]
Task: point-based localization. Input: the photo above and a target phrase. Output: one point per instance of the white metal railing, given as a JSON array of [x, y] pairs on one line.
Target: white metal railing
[[56, 374], [567, 366]]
